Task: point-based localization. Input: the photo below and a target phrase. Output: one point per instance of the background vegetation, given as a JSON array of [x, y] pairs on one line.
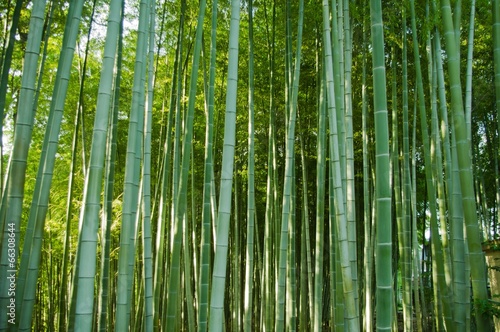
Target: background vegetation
[[249, 165]]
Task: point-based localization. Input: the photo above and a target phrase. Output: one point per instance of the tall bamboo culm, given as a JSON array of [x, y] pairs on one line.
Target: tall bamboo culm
[[340, 222], [383, 257], [477, 261], [224, 211], [87, 247], [11, 210]]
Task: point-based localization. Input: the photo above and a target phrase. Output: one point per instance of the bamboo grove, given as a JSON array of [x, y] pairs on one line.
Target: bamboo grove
[[254, 165]]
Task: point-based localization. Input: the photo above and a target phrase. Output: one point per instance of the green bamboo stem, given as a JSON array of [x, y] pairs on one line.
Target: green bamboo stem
[[406, 193], [268, 275], [224, 211], [4, 78], [11, 220], [437, 169], [235, 281], [165, 192], [320, 210], [383, 258], [188, 277], [306, 290], [468, 80], [147, 245], [132, 173], [106, 222], [349, 148], [419, 288], [352, 319], [87, 246], [174, 282], [21, 281], [367, 220], [436, 246], [453, 200], [287, 220], [33, 246], [398, 199], [495, 4], [103, 312], [478, 268], [207, 188], [249, 267]]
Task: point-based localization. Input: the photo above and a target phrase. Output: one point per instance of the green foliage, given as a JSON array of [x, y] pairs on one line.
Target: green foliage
[[488, 308]]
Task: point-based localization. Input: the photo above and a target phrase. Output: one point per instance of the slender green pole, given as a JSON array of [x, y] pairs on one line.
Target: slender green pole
[[235, 254], [11, 220], [496, 58], [477, 262], [287, 213], [174, 282], [445, 272], [187, 275], [162, 228], [441, 291], [4, 79], [320, 211], [468, 80], [418, 289], [205, 247], [270, 215], [226, 184], [247, 319], [383, 258], [352, 319], [406, 179], [349, 150], [33, 239], [367, 207], [403, 264], [87, 246], [146, 190], [104, 319], [454, 198], [306, 282], [174, 244], [132, 174]]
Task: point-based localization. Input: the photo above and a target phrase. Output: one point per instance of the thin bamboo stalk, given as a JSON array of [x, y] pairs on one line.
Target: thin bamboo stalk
[[174, 288], [224, 211], [205, 247], [352, 319], [383, 258], [249, 267], [87, 246], [478, 268], [10, 218]]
